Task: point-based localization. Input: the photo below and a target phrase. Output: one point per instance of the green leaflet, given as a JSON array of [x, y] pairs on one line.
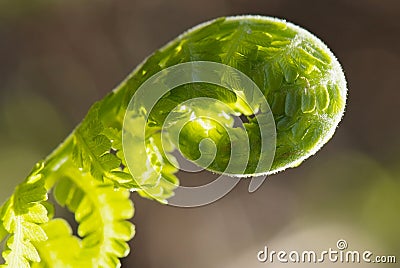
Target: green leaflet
[[101, 212], [21, 217], [3, 232], [53, 251], [93, 150], [298, 75]]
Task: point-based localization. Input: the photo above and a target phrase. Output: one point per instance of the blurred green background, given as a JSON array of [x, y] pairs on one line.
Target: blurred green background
[[58, 57]]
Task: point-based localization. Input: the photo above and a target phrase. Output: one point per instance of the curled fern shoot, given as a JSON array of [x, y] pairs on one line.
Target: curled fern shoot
[[301, 100]]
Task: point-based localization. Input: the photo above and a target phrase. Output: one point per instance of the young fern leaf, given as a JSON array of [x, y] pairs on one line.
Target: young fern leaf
[[53, 252], [101, 212], [297, 74], [93, 151], [162, 189], [21, 217]]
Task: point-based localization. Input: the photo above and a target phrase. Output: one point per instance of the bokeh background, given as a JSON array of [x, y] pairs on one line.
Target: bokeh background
[[58, 57]]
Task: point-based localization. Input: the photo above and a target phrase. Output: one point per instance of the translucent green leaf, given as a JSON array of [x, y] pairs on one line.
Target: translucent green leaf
[[62, 249], [308, 100], [322, 97], [20, 216], [292, 102], [102, 213]]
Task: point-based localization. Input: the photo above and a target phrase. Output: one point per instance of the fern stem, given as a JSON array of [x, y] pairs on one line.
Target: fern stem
[[59, 158]]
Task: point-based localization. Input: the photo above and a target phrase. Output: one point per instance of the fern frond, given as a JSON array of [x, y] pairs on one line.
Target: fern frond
[[296, 72], [93, 151], [102, 213], [21, 218], [53, 252]]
